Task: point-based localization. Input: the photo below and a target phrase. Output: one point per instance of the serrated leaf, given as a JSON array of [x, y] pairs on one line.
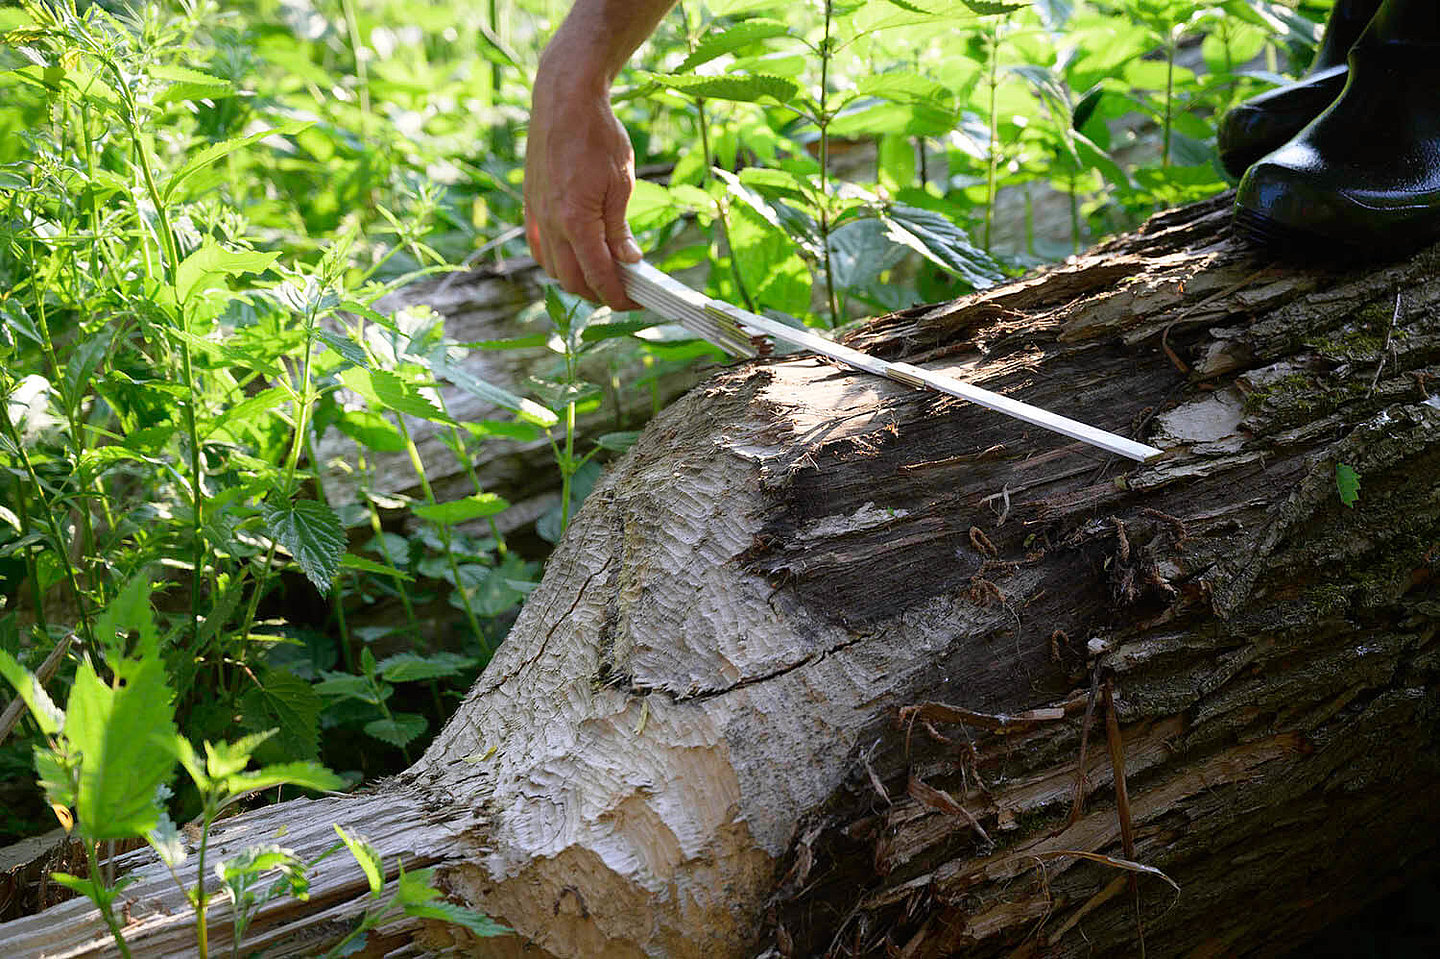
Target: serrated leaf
[[305, 775], [743, 89], [312, 534], [250, 407], [1347, 482], [942, 243], [227, 758], [410, 667], [362, 565], [528, 410], [345, 346], [471, 507], [188, 84], [860, 250], [904, 87], [398, 730], [734, 38], [212, 262], [371, 430], [125, 738], [27, 686], [388, 391], [367, 857], [477, 923], [284, 701], [210, 154], [128, 616], [348, 686], [618, 442]]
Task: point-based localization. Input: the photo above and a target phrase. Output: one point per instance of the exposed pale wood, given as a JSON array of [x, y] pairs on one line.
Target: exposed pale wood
[[698, 742]]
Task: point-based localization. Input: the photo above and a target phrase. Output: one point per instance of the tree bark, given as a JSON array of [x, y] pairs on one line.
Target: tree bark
[[830, 668]]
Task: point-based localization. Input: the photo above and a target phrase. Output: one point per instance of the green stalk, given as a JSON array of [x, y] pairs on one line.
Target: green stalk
[[1169, 98], [202, 930], [54, 525], [171, 254], [445, 538], [720, 205], [567, 468], [823, 122], [993, 152], [107, 913], [336, 595], [463, 456], [379, 531], [77, 442]]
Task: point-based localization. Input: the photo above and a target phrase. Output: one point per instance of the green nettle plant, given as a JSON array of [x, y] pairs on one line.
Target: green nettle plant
[[202, 212]]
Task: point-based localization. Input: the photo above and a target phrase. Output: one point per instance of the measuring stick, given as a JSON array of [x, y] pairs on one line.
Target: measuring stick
[[732, 328]]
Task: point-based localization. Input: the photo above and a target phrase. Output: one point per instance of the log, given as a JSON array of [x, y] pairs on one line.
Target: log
[[829, 668]]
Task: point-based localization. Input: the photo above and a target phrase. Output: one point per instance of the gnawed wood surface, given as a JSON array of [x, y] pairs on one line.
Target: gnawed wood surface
[[809, 673]]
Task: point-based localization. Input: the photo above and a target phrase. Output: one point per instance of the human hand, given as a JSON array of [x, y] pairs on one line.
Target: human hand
[[579, 173]]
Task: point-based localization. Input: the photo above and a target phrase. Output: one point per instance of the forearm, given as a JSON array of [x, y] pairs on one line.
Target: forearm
[[598, 37]]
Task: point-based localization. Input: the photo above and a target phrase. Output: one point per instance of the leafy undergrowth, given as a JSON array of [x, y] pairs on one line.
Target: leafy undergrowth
[[202, 205]]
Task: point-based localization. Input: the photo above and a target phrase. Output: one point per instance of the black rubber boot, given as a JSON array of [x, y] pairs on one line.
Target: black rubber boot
[[1363, 180], [1266, 122]]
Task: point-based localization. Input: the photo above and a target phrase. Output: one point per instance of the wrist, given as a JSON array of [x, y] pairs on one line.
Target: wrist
[[577, 63]]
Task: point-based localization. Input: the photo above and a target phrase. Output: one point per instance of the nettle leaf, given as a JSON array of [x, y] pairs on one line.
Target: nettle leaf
[[129, 615], [398, 730], [461, 510], [370, 430], [528, 410], [904, 87], [743, 89], [410, 667], [285, 702], [477, 923], [367, 857], [387, 390], [210, 154], [941, 242], [362, 565], [211, 263], [861, 249], [349, 686], [27, 686], [124, 735], [311, 532], [188, 84], [741, 35], [305, 775], [1347, 482], [345, 346]]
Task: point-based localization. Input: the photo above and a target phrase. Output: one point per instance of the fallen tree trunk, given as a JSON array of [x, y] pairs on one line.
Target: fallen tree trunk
[[826, 667]]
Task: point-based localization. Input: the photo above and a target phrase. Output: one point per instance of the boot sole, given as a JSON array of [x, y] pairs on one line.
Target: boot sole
[[1288, 242]]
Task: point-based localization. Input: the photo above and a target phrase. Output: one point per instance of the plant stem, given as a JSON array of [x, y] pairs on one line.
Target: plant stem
[[567, 466], [202, 931], [1169, 98], [171, 257], [54, 525], [107, 913], [993, 151], [720, 206], [445, 537], [823, 122]]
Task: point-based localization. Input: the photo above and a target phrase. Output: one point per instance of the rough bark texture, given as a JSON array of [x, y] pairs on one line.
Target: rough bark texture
[[811, 672]]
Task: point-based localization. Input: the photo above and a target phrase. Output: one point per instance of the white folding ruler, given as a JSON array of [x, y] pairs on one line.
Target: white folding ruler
[[732, 328]]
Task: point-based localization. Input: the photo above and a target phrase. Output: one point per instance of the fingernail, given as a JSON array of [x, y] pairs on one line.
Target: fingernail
[[631, 251]]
